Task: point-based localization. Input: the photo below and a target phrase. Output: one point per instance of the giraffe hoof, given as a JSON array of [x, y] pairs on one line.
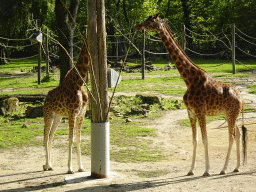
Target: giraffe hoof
[[206, 174], [223, 173], [70, 172], [236, 170], [190, 173], [81, 170], [47, 168]]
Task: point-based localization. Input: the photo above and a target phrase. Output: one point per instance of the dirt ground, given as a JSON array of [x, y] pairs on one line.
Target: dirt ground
[[21, 168]]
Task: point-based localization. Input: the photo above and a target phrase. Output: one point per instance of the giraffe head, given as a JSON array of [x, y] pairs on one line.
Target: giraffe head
[[151, 23]]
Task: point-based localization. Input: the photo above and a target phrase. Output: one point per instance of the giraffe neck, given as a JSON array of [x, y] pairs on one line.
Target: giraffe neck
[[82, 66], [188, 70]]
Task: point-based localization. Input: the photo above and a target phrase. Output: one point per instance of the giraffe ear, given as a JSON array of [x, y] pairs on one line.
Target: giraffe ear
[[157, 15], [163, 20]]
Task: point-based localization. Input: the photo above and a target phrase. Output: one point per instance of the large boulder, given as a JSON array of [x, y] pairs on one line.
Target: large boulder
[[8, 106], [149, 99], [33, 112]]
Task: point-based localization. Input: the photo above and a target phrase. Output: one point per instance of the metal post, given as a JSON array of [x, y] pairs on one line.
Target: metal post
[[39, 61], [184, 38], [234, 48], [143, 56], [47, 53]]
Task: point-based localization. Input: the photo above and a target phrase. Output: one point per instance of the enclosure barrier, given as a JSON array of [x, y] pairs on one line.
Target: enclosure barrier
[[225, 44]]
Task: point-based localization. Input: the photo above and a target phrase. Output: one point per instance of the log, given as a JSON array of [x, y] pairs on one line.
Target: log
[[25, 97]]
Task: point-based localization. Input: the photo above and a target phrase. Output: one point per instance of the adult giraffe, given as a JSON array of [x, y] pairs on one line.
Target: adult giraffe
[[69, 99], [204, 96]]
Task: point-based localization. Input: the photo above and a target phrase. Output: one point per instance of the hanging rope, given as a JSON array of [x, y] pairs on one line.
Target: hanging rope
[[245, 34], [245, 40], [213, 35], [205, 54], [245, 52]]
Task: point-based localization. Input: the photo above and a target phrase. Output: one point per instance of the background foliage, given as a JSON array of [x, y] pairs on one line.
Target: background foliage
[[18, 16]]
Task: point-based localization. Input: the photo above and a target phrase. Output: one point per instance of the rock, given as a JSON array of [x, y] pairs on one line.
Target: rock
[[24, 125], [145, 106], [113, 108], [119, 115], [128, 120], [168, 67], [7, 121], [137, 111], [177, 106], [8, 106], [150, 99], [33, 112]]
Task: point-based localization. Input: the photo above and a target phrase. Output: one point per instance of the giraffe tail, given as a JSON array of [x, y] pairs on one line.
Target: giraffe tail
[[244, 137]]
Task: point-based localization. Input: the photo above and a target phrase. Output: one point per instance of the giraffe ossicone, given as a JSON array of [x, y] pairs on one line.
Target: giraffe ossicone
[[68, 100], [204, 96]]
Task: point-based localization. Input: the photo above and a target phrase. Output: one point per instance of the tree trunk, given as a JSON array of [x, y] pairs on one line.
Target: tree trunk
[[66, 32], [110, 29], [168, 9], [187, 21]]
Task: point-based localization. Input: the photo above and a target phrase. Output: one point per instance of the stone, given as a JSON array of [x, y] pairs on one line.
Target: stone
[[145, 106], [8, 106], [150, 99], [128, 120], [33, 112], [136, 111]]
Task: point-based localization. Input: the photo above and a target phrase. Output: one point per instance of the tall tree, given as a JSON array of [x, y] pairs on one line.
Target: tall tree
[[187, 22], [66, 27]]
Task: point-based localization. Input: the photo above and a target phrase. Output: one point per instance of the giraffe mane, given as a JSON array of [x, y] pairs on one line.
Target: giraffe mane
[[168, 30]]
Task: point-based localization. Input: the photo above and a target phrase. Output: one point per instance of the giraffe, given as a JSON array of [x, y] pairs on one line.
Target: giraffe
[[204, 96], [69, 100]]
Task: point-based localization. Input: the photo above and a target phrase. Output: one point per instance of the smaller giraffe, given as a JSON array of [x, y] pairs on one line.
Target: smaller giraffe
[[69, 100], [204, 96]]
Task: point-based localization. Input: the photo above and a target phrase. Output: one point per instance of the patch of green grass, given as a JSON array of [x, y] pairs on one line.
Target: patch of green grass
[[134, 156], [150, 174], [252, 89], [171, 85], [186, 122]]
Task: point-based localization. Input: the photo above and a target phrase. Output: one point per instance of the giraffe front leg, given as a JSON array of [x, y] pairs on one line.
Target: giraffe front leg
[[49, 133], [78, 140], [47, 128], [71, 141], [192, 119], [202, 123]]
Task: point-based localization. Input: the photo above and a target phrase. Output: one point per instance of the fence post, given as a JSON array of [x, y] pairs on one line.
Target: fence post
[[184, 38], [117, 48], [47, 53], [143, 56], [39, 61], [234, 48]]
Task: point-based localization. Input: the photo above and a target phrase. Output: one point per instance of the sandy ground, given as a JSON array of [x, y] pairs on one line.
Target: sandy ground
[[21, 168]]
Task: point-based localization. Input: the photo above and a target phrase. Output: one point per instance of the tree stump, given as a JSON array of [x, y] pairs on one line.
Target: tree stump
[[33, 112]]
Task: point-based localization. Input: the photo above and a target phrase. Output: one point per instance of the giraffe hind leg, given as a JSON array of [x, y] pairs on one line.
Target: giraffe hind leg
[[51, 125], [78, 141], [237, 139], [71, 121], [232, 133]]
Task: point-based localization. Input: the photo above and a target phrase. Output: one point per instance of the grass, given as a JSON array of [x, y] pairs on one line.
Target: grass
[[130, 142], [150, 174]]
